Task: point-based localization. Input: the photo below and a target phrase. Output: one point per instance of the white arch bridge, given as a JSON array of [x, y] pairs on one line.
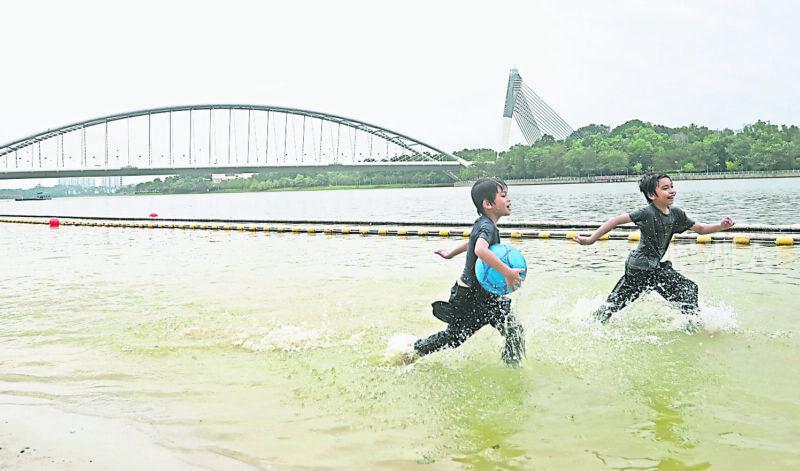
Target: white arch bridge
[[220, 138]]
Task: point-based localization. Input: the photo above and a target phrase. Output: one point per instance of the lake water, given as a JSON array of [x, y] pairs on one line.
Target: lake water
[[756, 201], [269, 348]]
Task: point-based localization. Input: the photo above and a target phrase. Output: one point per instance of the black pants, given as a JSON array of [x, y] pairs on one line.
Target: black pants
[[664, 280], [473, 308]]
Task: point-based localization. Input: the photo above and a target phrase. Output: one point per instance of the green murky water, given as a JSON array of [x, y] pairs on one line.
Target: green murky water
[[270, 349]]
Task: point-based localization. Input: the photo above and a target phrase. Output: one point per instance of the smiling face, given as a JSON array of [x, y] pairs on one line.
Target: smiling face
[[665, 193], [500, 206]]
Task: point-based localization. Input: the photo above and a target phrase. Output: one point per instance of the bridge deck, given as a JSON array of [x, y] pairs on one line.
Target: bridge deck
[[206, 170]]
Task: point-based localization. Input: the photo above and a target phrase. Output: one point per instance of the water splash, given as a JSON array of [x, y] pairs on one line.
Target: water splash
[[718, 317], [285, 338], [400, 349], [643, 319]]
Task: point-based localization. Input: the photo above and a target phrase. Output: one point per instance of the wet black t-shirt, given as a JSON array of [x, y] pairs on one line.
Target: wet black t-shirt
[[485, 229], [657, 229]]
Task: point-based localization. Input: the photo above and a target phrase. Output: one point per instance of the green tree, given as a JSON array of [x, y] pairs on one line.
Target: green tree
[[477, 155], [612, 162]]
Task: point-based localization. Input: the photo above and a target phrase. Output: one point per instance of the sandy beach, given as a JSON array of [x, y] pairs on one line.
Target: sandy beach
[[34, 434]]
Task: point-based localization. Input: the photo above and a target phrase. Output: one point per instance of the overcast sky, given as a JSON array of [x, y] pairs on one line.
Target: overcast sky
[[434, 70]]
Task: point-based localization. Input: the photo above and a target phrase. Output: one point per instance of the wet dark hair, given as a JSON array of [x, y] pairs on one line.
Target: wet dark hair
[[649, 182], [485, 189]]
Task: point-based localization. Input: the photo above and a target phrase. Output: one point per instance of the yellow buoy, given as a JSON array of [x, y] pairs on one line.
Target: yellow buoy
[[741, 240], [544, 235], [635, 236], [311, 230], [422, 232], [295, 230], [784, 240], [516, 234], [703, 239], [570, 235], [402, 232], [466, 234], [444, 233], [604, 236], [345, 230], [363, 231], [383, 232], [328, 230]]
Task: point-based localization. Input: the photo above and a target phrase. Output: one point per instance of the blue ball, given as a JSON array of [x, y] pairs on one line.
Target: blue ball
[[491, 280]]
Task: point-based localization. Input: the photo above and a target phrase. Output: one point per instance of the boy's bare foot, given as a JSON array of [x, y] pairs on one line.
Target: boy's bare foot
[[602, 315], [693, 325], [407, 358], [400, 349]]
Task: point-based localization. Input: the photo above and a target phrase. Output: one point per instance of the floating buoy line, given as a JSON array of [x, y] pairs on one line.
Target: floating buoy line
[[779, 235]]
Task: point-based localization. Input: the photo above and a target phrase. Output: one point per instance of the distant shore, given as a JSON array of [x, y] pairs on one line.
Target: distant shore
[[528, 181], [634, 178]]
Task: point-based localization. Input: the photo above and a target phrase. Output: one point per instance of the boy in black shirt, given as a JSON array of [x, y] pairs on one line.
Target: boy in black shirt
[[644, 269], [472, 307]]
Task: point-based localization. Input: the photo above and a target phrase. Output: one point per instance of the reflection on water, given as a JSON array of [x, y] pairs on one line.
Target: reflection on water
[[269, 348]]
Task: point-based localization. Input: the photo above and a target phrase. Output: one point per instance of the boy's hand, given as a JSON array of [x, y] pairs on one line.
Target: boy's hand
[[512, 277], [727, 222], [583, 240], [444, 253]]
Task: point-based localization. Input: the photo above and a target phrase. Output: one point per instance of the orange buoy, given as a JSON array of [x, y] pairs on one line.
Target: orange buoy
[[54, 222], [153, 215]]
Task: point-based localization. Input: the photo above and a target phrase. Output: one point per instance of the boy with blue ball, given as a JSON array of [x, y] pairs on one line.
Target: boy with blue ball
[[471, 307]]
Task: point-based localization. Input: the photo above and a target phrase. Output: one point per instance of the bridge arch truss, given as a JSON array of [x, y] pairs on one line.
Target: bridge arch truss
[[210, 136]]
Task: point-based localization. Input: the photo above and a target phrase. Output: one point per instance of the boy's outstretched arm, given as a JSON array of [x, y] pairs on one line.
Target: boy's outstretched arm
[[607, 226], [448, 254], [726, 223], [510, 274]]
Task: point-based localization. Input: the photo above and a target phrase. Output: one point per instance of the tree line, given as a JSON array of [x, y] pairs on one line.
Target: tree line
[[292, 180], [636, 146]]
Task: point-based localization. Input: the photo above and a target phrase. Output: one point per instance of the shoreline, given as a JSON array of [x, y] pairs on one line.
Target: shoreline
[[527, 181], [635, 178], [36, 434]]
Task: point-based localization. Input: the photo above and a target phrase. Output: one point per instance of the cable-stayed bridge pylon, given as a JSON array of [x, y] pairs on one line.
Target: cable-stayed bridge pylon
[[534, 117]]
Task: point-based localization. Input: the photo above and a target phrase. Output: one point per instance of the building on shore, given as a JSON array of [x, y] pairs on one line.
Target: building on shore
[[110, 184], [83, 182]]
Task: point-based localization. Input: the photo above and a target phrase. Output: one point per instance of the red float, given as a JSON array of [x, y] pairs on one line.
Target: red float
[[54, 222], [153, 215]]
